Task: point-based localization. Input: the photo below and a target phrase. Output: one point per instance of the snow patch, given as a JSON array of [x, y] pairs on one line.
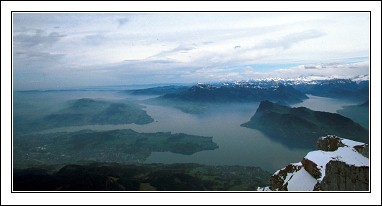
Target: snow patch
[[263, 189], [297, 164], [288, 177], [351, 157], [301, 181], [361, 78], [351, 143], [344, 154], [321, 158]]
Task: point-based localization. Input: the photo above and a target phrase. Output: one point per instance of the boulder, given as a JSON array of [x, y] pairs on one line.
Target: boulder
[[279, 180], [329, 143], [343, 177], [311, 167], [363, 149]]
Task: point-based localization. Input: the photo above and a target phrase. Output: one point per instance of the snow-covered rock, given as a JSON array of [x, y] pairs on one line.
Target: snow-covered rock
[[263, 189], [338, 164]]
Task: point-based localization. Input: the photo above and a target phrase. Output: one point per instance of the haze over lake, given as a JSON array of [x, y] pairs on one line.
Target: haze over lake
[[237, 145]]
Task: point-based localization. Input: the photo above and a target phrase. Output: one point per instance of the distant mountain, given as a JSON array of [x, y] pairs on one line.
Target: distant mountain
[[238, 92], [158, 90], [202, 96], [89, 111], [336, 88], [299, 127], [274, 89], [358, 113], [365, 104], [86, 111]]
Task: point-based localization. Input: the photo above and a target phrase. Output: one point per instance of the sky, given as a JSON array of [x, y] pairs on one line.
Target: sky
[[65, 50]]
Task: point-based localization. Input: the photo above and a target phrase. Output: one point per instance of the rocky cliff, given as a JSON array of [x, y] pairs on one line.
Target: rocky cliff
[[337, 165]]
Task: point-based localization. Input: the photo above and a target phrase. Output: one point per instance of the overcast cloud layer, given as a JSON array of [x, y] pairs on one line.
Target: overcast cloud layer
[[60, 50]]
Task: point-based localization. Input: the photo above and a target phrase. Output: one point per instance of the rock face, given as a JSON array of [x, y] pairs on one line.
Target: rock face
[[278, 179], [363, 149], [330, 143], [343, 177], [337, 165]]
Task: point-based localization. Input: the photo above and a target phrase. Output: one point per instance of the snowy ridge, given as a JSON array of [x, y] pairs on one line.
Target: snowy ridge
[[301, 181], [312, 173], [345, 154], [313, 78], [274, 82]]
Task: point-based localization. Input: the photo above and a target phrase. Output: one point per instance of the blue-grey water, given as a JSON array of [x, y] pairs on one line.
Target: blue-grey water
[[237, 145]]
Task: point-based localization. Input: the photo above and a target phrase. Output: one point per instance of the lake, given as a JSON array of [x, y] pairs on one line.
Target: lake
[[237, 145]]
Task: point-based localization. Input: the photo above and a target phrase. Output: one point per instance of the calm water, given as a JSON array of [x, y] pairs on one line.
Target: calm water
[[237, 145], [325, 104]]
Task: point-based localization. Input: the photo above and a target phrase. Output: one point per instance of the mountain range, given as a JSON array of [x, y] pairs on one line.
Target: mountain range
[[337, 88], [238, 93], [278, 90]]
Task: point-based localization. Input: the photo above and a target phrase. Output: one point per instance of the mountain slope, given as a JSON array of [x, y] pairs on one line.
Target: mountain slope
[[87, 111], [299, 127], [158, 90], [358, 113], [99, 176]]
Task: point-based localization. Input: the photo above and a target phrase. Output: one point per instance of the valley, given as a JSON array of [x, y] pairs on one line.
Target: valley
[[164, 125]]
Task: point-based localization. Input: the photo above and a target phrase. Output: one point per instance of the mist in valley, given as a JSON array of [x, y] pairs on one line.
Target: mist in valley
[[237, 145]]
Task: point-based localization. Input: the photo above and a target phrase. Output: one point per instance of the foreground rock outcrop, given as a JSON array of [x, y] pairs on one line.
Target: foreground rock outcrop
[[337, 165]]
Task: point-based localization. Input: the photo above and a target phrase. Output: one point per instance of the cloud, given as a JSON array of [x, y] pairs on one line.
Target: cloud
[[287, 41], [340, 70], [123, 21], [185, 46], [251, 53], [31, 50], [95, 39], [36, 38], [315, 66], [179, 49], [36, 61], [333, 70]]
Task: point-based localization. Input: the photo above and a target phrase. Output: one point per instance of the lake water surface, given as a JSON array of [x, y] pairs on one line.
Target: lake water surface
[[237, 145]]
